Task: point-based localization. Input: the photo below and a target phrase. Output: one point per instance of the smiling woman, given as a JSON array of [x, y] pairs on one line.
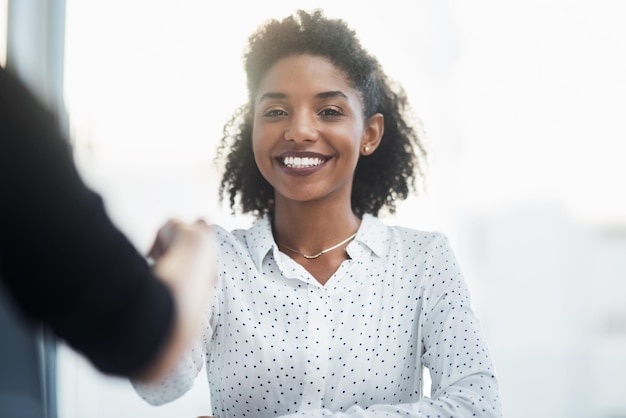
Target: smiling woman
[[522, 103], [323, 310]]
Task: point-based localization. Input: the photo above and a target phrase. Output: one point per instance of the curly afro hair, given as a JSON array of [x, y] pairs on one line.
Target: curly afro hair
[[380, 179]]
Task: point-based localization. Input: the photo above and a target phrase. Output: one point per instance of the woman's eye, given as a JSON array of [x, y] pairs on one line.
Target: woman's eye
[[329, 111], [272, 113]]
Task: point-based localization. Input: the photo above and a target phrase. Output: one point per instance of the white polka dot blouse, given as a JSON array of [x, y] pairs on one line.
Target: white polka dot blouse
[[278, 343]]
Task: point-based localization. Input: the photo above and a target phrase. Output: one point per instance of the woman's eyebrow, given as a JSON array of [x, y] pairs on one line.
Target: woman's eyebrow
[[272, 95], [330, 94], [319, 96]]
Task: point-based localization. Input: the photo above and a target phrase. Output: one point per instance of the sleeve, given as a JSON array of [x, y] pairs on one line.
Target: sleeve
[[177, 382], [180, 379], [61, 258], [454, 350]]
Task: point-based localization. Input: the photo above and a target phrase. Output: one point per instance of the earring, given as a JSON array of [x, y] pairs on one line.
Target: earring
[[366, 149]]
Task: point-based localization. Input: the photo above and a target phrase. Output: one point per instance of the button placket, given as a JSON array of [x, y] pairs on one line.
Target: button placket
[[318, 345]]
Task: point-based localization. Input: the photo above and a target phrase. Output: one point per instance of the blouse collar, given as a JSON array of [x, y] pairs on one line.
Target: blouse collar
[[372, 234]]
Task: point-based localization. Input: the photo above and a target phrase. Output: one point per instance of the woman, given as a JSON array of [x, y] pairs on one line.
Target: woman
[[323, 310]]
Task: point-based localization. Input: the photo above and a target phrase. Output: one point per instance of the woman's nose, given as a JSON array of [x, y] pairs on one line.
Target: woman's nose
[[302, 128]]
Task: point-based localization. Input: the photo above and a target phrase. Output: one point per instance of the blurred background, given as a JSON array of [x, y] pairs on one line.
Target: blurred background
[[523, 104]]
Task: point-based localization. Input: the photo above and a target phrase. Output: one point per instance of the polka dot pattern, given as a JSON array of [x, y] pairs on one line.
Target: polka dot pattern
[[277, 343]]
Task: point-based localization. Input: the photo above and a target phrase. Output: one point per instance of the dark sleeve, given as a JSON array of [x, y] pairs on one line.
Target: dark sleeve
[[61, 258]]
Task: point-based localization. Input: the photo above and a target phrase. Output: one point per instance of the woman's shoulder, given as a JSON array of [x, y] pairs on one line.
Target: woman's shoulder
[[406, 232], [244, 245], [385, 237], [224, 232], [254, 234], [242, 230]]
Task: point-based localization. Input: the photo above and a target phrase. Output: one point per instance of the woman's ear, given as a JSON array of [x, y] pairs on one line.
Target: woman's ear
[[372, 134]]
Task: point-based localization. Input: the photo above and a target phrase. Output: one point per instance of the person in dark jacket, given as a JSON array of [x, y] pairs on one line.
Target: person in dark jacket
[[65, 265]]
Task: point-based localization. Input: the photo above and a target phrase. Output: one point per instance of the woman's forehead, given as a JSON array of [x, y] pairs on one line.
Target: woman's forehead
[[304, 74]]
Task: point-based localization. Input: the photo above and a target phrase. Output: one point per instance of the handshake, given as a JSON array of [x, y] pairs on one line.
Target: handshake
[[183, 257]]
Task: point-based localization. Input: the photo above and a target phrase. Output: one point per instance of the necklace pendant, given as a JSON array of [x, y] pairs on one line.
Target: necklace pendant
[[312, 257]]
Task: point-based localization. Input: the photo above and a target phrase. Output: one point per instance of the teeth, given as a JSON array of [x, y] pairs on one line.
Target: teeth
[[302, 162]]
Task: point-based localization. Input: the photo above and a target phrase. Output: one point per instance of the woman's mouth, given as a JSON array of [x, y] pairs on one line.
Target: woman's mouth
[[302, 162]]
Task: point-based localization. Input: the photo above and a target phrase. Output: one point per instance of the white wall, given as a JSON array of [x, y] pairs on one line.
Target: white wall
[[523, 105]]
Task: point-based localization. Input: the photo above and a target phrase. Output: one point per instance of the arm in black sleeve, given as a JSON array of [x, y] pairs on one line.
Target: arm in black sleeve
[[61, 258]]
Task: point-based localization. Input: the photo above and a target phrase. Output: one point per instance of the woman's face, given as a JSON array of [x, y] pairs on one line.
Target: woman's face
[[309, 130]]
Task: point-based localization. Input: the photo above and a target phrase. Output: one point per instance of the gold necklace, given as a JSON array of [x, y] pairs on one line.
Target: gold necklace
[[312, 257]]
